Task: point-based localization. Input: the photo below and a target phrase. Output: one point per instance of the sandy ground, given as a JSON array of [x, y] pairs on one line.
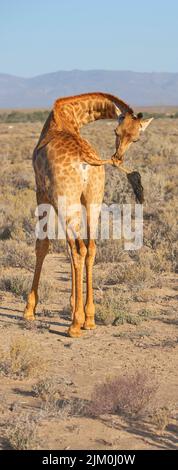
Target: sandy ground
[[82, 363]]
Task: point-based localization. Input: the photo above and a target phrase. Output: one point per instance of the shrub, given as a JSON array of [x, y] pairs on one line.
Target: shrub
[[51, 392], [22, 433], [109, 251], [47, 389], [113, 310], [20, 286], [18, 255], [161, 417], [128, 395], [19, 116], [22, 359]]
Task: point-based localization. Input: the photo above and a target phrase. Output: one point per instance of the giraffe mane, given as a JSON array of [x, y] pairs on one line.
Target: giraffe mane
[[120, 104]]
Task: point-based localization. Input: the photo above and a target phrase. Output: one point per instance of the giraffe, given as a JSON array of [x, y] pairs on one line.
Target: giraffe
[[65, 164]]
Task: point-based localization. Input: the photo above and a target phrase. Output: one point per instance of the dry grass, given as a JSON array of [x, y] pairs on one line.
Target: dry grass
[[160, 418], [134, 274], [114, 309], [16, 255], [20, 286], [48, 389], [110, 308], [51, 392], [134, 269], [18, 219], [22, 359], [17, 284], [21, 433]]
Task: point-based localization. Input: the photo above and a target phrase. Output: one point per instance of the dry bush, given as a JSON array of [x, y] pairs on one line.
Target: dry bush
[[15, 254], [20, 182], [47, 290], [22, 359], [110, 308], [134, 274], [48, 313], [160, 418], [64, 408], [34, 326], [20, 286], [61, 408], [21, 432], [48, 389], [129, 395], [109, 251], [18, 219], [137, 275], [114, 310], [51, 391], [146, 313]]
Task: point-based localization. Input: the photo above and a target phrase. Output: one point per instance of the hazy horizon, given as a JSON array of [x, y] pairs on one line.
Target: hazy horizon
[[41, 37], [89, 70], [135, 88]]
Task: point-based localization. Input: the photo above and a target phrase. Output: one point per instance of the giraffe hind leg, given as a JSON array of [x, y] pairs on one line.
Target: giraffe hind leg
[[78, 253], [32, 299], [90, 307]]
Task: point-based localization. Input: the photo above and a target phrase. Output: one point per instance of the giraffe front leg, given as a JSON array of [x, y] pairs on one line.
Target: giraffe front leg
[[78, 252], [32, 299], [72, 297], [90, 307]]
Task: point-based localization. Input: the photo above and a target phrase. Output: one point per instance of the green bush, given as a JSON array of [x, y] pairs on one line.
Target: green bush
[[19, 116]]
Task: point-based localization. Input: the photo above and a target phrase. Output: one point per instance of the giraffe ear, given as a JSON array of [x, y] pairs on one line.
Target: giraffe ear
[[118, 112], [120, 115], [144, 123]]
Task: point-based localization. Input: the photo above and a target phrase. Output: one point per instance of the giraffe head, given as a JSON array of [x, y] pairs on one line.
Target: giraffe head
[[128, 131]]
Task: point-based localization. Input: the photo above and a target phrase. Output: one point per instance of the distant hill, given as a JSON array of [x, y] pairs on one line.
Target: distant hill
[[136, 88]]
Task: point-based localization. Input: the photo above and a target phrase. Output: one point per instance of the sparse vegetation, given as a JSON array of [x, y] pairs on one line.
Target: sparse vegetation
[[48, 389], [20, 286], [18, 116], [161, 417], [22, 359], [135, 293], [16, 255], [128, 395], [21, 432], [114, 309], [111, 308], [51, 392]]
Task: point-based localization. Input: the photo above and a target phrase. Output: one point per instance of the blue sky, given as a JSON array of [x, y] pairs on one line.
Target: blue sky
[[45, 36]]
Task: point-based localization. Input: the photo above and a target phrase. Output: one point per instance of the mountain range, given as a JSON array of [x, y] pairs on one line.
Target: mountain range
[[136, 88]]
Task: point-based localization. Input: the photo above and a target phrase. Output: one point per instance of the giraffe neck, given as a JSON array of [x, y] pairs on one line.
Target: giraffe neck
[[73, 112]]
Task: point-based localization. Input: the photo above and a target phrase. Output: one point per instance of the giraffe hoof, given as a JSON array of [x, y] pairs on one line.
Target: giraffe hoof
[[74, 332], [29, 315], [89, 325]]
